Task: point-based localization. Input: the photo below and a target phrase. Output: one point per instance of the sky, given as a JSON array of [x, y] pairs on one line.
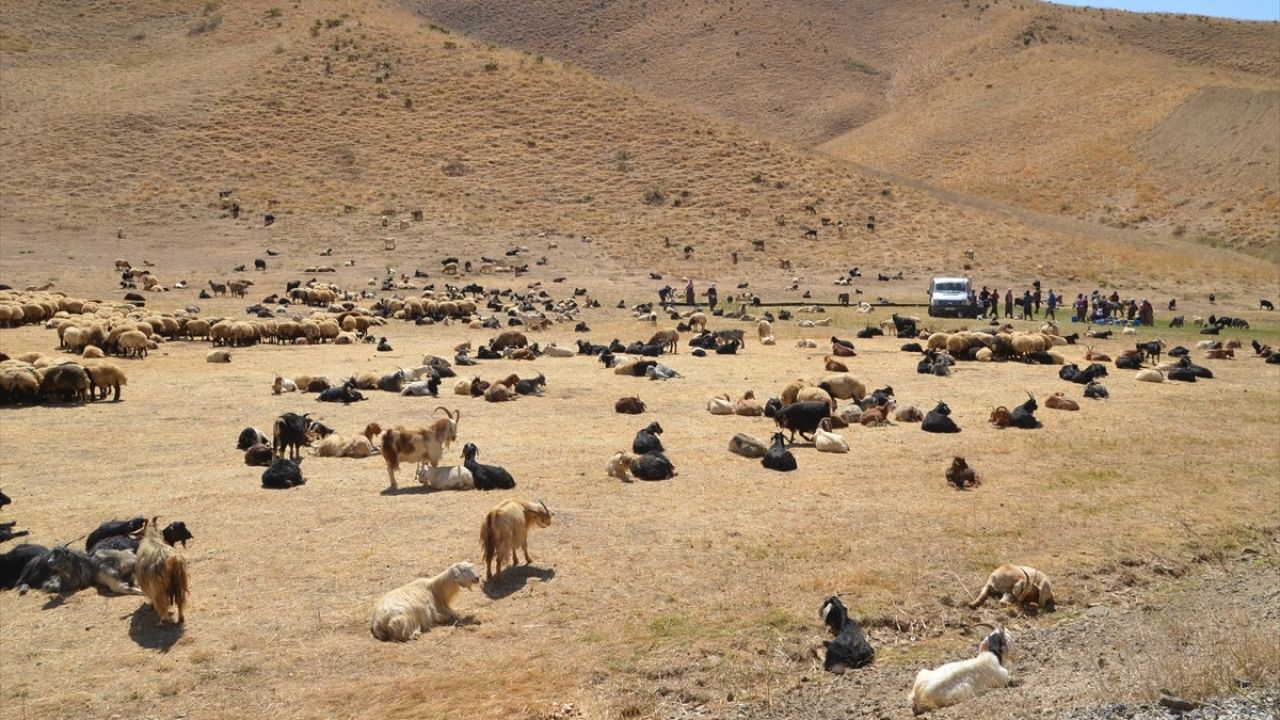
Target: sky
[[1241, 9]]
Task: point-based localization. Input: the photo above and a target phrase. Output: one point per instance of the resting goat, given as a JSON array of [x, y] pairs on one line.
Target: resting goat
[[1017, 584], [961, 475], [647, 439], [850, 648], [506, 529], [958, 681], [402, 614], [485, 477], [778, 457], [939, 420]]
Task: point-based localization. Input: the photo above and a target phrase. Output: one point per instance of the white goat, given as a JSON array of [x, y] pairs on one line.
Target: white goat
[[958, 681]]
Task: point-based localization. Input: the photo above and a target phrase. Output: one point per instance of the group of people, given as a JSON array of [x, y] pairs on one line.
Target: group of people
[[666, 295], [1097, 307]]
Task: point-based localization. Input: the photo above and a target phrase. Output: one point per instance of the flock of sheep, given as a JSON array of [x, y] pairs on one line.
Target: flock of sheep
[[811, 407]]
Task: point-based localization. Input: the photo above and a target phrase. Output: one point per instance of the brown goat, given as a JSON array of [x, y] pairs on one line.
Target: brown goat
[[961, 475], [498, 392], [1058, 401], [877, 416], [832, 365], [478, 387], [629, 406], [161, 573], [1092, 356], [1000, 417], [1221, 354], [506, 528], [748, 406], [428, 443]]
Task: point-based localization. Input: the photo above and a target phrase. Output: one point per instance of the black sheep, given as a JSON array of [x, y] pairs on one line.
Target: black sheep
[[249, 437], [850, 648], [653, 466], [1023, 416], [1096, 391], [647, 440], [778, 456], [114, 528], [283, 474], [13, 562], [486, 477], [939, 421], [802, 417]]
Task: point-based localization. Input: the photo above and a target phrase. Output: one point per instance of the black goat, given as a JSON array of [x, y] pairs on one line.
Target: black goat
[[392, 382], [728, 347], [1129, 362], [13, 562], [176, 532], [250, 437], [869, 332], [1181, 374], [532, 386], [653, 466], [939, 420], [345, 393], [462, 360], [647, 440], [1096, 391], [1023, 416], [486, 477], [802, 417], [778, 457], [293, 431], [63, 570], [1072, 338], [114, 528], [772, 406], [1151, 350], [912, 347], [838, 341], [961, 475], [283, 474], [850, 649]]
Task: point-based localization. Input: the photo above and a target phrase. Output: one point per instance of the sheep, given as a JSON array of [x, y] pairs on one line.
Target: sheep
[[647, 440], [218, 356], [960, 475], [629, 406], [401, 444], [1058, 401], [446, 477], [791, 390], [720, 405], [748, 406], [815, 394], [747, 446], [132, 343], [404, 613], [1150, 375], [802, 417], [843, 386], [1017, 584], [652, 465], [778, 457], [939, 421], [909, 414], [668, 339], [506, 528], [162, 573], [360, 446], [620, 464], [826, 441], [850, 649], [485, 477], [958, 681]]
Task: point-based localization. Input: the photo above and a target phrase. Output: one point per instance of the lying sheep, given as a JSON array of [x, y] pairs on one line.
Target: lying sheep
[[218, 356], [404, 613], [826, 441], [720, 405]]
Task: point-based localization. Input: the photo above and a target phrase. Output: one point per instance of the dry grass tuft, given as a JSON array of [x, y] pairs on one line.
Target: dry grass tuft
[[1204, 656]]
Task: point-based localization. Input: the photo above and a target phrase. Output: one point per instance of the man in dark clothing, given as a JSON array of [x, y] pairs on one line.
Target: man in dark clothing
[[1051, 306], [712, 296], [1035, 297], [688, 295], [1008, 303], [985, 299], [1026, 305], [664, 294]]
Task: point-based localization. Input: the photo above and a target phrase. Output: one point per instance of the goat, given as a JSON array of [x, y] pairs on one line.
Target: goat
[[850, 649], [345, 393], [162, 573], [485, 477], [1151, 349], [13, 563], [114, 528], [248, 438], [506, 528], [778, 457], [832, 365], [961, 475], [653, 465], [1016, 584], [802, 417], [1096, 391], [1023, 416], [619, 464], [404, 613], [63, 570], [720, 405], [401, 444], [938, 420], [1058, 401], [958, 681], [748, 406], [999, 417], [283, 474], [647, 439], [292, 431], [826, 441], [629, 406]]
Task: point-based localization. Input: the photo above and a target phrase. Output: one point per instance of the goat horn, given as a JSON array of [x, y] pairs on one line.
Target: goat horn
[[445, 409]]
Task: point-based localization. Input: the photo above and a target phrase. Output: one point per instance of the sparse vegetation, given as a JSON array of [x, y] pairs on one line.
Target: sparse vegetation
[[205, 24], [654, 197]]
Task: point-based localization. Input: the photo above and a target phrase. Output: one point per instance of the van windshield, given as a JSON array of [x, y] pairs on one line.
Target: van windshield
[[954, 287]]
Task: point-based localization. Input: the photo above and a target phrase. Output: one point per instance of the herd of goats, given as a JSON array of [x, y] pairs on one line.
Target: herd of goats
[[138, 557]]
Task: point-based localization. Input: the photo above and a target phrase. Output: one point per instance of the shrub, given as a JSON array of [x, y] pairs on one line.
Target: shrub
[[206, 24]]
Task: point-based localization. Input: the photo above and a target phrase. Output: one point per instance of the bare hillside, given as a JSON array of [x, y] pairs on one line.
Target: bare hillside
[[1047, 107]]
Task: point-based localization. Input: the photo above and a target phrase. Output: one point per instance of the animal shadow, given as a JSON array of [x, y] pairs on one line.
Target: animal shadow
[[406, 490], [146, 630], [513, 579]]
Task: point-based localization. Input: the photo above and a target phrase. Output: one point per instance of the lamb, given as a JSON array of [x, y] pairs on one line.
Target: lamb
[[826, 441], [218, 356], [850, 649], [485, 477], [1017, 584], [162, 573], [629, 406], [958, 681], [747, 446], [778, 457], [939, 420], [1058, 401], [960, 475], [647, 439], [653, 465], [404, 613], [506, 528]]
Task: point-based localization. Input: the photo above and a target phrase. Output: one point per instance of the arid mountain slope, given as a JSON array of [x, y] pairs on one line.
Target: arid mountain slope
[[1047, 107]]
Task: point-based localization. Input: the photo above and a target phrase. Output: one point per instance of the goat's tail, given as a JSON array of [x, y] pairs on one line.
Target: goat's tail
[[489, 537], [177, 586]]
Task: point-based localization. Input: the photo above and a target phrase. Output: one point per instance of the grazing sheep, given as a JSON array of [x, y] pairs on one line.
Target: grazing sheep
[[653, 465], [404, 613], [843, 386], [619, 465], [629, 406], [1058, 401], [647, 439], [960, 475], [506, 528], [826, 441], [1017, 584], [816, 394], [939, 420], [958, 681], [778, 457], [162, 573], [105, 376], [747, 446], [850, 649]]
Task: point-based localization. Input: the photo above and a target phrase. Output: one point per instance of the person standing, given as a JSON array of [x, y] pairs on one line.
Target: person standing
[[1008, 303], [1026, 305], [689, 299], [712, 297], [985, 298], [1036, 295], [1146, 313], [1082, 308], [1051, 305]]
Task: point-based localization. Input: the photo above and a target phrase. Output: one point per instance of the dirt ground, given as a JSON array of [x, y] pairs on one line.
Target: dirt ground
[[692, 597]]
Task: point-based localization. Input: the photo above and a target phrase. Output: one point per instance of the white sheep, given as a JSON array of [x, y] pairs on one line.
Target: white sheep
[[720, 405], [404, 613], [826, 441], [554, 351], [218, 356], [958, 681]]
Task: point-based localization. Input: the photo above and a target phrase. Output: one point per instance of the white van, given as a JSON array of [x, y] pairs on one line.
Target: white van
[[949, 296]]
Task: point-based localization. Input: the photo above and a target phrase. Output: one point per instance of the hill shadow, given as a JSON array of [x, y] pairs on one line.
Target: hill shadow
[[513, 579], [146, 630]]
